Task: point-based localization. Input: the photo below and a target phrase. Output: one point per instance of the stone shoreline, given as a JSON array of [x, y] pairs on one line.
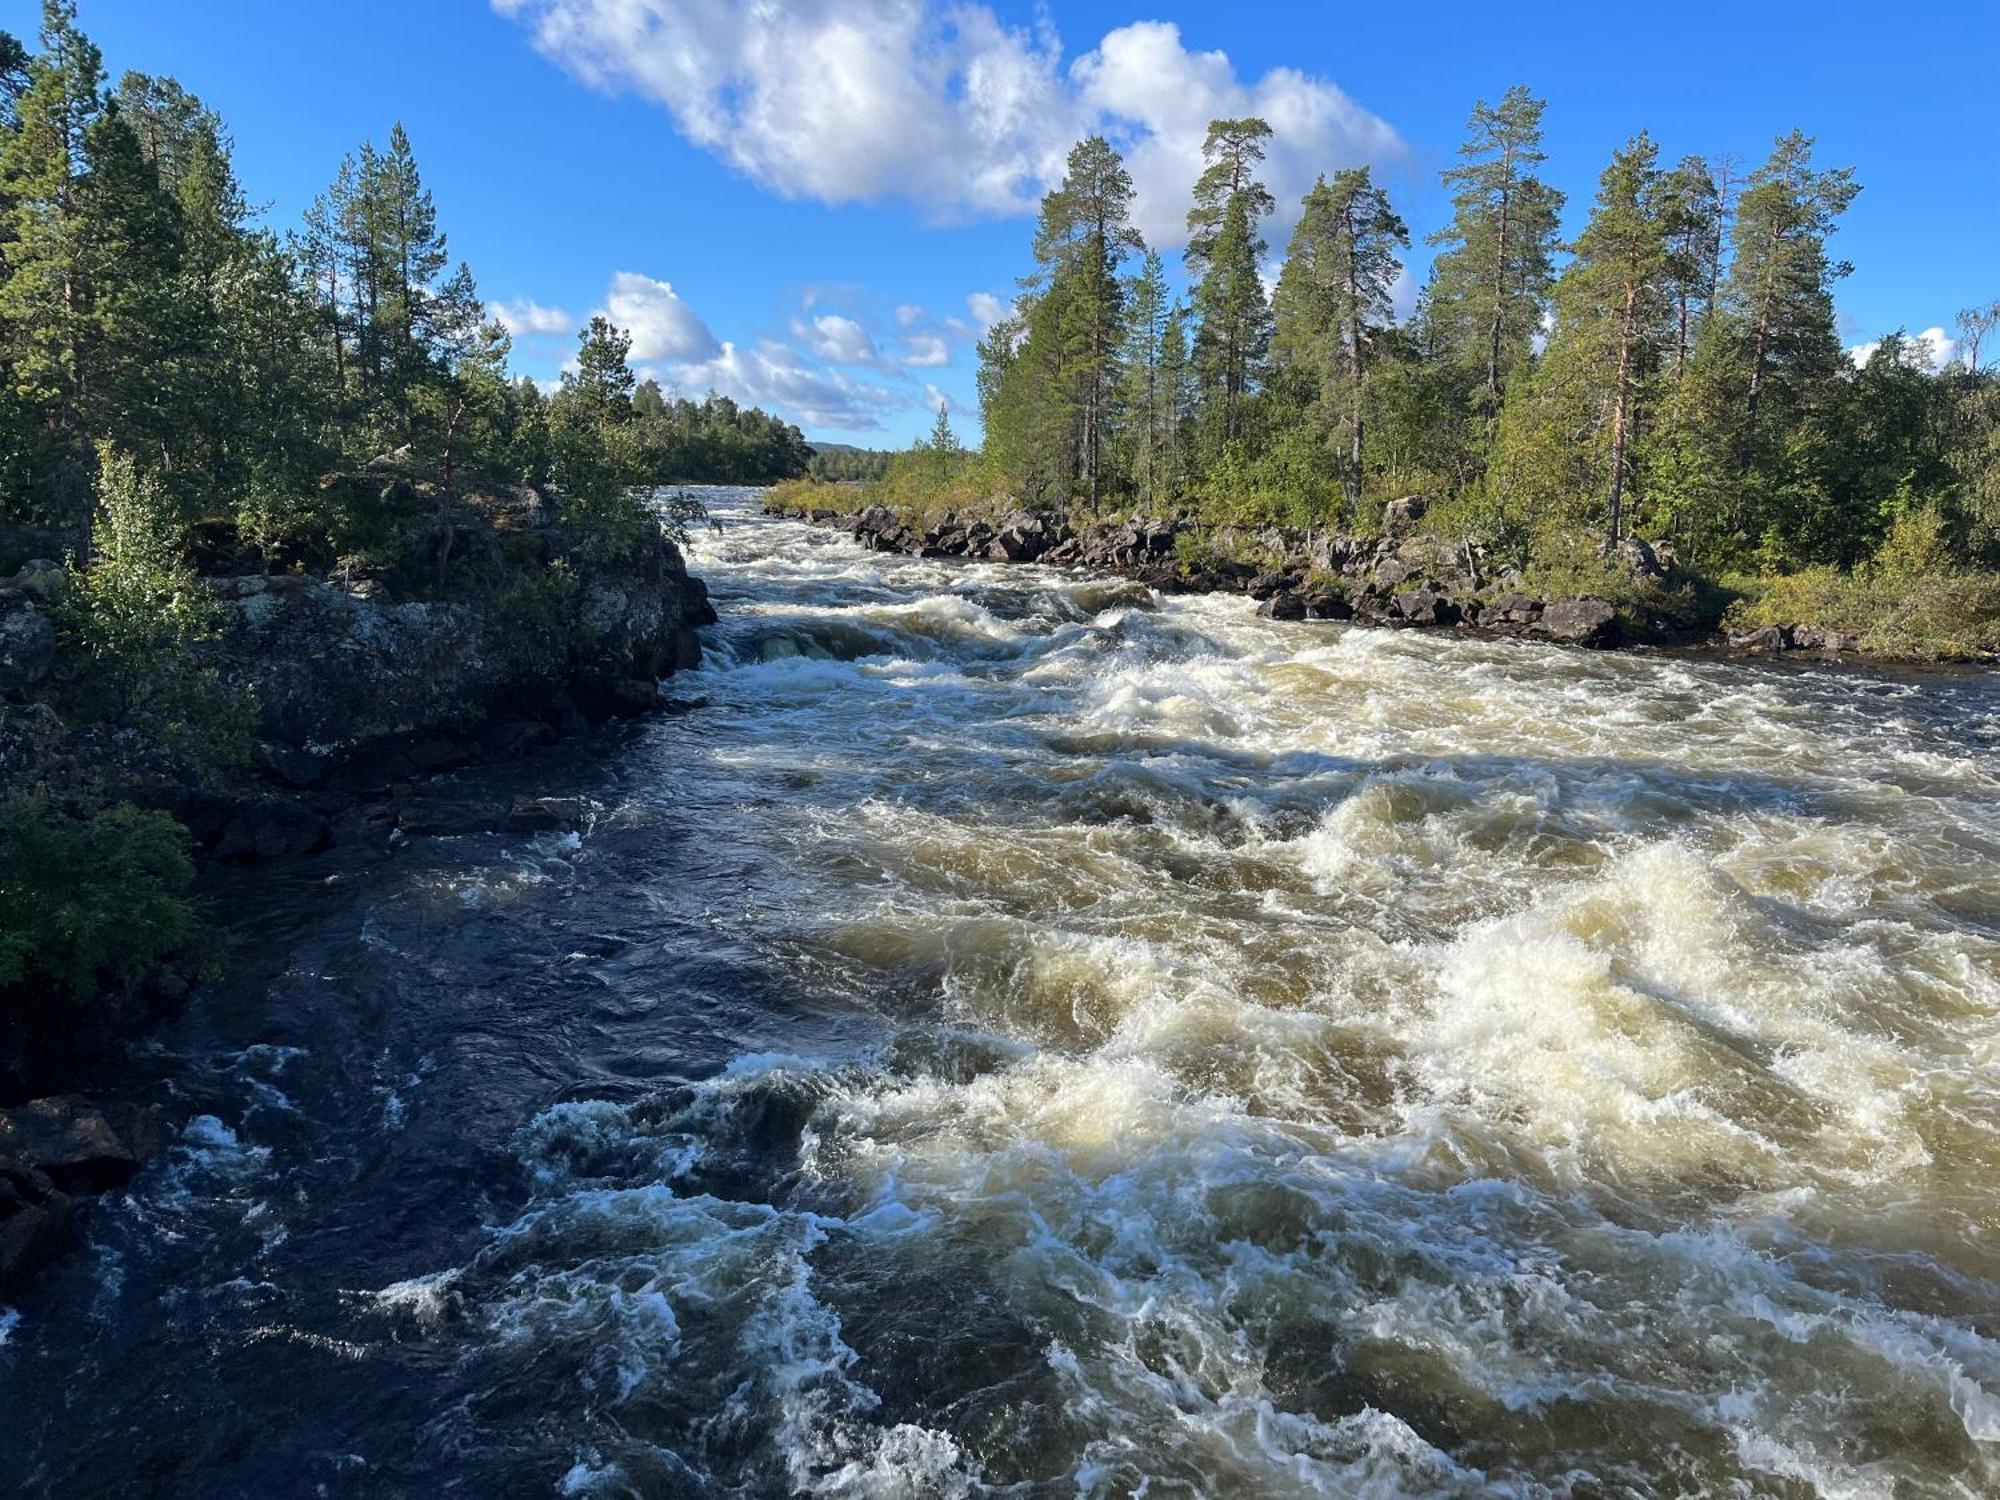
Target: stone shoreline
[[1399, 578]]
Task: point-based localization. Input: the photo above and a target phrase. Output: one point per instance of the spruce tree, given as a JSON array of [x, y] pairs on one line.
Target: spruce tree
[[1224, 252]]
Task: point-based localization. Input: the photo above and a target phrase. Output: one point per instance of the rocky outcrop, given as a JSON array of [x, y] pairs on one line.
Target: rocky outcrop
[[51, 1151], [331, 668], [1398, 577]]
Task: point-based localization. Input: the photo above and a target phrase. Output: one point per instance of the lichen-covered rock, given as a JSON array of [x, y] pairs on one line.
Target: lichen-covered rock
[[27, 642]]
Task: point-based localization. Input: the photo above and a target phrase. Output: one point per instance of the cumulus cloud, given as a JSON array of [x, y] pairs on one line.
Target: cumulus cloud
[[663, 327], [529, 319], [1143, 77], [776, 377], [947, 108], [926, 350], [1932, 349], [987, 309], [840, 339]]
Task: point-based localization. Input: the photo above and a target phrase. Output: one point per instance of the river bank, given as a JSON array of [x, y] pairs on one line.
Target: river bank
[[362, 699], [1397, 577]]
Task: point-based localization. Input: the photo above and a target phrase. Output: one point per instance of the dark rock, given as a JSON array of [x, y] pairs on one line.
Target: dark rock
[[1512, 610], [1264, 585], [447, 817], [1287, 606], [1771, 638], [268, 827], [1423, 607], [30, 1236], [1400, 515], [1325, 604], [302, 767], [1641, 557], [42, 580], [1393, 572], [543, 815], [1580, 622], [69, 1141], [27, 642]]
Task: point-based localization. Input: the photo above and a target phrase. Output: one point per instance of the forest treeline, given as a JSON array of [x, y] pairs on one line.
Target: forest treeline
[[144, 309], [1674, 372]]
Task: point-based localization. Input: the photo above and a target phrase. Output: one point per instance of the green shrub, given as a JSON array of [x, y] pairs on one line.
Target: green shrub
[[89, 896], [137, 611], [1909, 600]]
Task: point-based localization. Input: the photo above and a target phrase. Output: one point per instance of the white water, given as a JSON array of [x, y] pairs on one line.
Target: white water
[[1327, 1061], [1022, 1037]]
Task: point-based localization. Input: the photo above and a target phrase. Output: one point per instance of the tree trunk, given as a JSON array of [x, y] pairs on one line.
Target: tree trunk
[[1620, 417]]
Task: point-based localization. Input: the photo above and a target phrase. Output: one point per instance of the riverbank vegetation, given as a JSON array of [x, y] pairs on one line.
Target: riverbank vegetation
[[1674, 373], [189, 393]]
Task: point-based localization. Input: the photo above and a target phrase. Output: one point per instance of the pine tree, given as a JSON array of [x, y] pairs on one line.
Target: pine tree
[[1333, 302], [1613, 306], [1049, 377], [1691, 211], [1224, 252], [1489, 287], [1780, 282]]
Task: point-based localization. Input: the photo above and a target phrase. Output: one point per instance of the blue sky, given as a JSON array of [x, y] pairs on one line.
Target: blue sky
[[812, 204]]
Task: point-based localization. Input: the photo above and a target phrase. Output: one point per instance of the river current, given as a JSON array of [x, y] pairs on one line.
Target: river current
[[1015, 1035]]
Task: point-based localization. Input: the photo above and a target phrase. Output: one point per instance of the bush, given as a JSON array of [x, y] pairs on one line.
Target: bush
[[89, 896], [924, 484], [1909, 600], [137, 611]]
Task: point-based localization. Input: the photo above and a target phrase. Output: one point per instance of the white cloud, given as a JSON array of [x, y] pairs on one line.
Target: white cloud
[[1143, 75], [944, 107], [908, 315], [923, 350], [1932, 349], [777, 378], [529, 319], [987, 309], [840, 340], [663, 327]]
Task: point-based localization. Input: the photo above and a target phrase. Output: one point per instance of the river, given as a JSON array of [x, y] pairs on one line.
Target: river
[[1014, 1035]]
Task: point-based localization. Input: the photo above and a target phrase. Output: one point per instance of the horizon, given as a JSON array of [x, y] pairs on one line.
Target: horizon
[[849, 254]]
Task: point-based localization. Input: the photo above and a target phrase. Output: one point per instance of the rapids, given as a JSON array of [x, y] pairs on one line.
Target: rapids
[[1014, 1035]]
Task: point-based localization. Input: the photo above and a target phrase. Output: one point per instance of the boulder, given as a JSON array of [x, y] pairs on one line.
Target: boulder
[[543, 815], [269, 827], [1640, 557], [1398, 516], [1423, 607], [1265, 585], [1326, 604], [68, 1141], [1392, 572], [27, 642], [1287, 606], [1511, 611], [1580, 622], [1771, 638], [42, 580], [445, 816], [30, 1236]]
